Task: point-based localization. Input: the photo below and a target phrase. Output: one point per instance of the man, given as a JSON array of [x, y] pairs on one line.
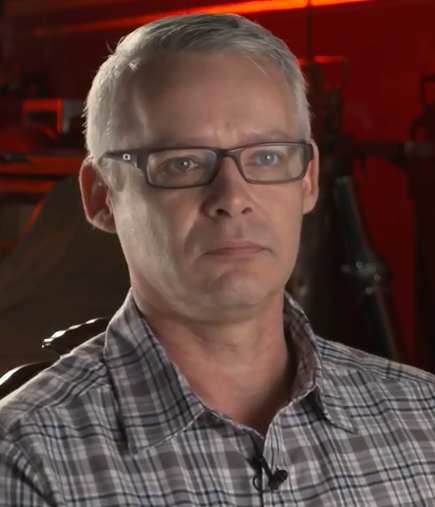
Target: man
[[209, 387]]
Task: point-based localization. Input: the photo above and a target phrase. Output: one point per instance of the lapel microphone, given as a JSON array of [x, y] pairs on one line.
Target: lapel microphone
[[275, 479]]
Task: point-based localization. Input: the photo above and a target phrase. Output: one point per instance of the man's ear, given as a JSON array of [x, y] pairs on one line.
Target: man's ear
[[310, 183], [94, 191]]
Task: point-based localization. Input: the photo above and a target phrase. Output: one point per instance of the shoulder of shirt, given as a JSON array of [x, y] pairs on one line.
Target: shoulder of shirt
[[59, 385], [339, 359]]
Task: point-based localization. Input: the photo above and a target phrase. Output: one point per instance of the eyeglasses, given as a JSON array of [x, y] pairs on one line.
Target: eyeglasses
[[262, 164]]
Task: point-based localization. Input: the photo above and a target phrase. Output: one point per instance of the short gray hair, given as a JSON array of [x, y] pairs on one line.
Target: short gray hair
[[109, 113]]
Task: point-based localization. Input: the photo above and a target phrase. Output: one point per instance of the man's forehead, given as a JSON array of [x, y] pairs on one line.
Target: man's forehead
[[204, 108], [202, 79]]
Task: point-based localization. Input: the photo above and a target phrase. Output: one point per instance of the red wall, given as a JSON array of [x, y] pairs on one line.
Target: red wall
[[389, 43]]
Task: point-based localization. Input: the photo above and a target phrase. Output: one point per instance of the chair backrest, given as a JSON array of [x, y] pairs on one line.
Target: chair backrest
[[62, 342], [17, 377]]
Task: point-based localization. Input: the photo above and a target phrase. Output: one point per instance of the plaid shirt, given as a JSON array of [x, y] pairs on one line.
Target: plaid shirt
[[114, 424]]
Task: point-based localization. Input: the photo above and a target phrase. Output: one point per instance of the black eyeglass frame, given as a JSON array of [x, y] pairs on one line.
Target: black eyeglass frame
[[135, 157]]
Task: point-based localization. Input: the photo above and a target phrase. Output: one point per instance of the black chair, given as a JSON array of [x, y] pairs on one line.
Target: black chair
[[61, 342]]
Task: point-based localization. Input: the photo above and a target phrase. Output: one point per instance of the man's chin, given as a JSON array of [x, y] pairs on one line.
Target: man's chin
[[242, 292]]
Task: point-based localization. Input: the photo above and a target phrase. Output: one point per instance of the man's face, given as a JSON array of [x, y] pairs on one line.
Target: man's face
[[171, 238]]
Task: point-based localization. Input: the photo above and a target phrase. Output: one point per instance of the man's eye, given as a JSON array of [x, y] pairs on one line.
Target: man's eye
[[180, 164], [266, 158]]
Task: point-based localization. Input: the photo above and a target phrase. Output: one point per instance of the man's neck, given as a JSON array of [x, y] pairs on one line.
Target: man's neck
[[241, 370]]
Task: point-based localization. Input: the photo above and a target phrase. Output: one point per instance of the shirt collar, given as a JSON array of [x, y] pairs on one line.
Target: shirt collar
[[313, 377], [154, 398]]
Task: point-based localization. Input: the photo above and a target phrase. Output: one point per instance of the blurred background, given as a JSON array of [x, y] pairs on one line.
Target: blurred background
[[366, 271]]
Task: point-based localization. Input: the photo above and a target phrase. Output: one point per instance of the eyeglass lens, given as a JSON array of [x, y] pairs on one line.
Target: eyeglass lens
[[193, 166]]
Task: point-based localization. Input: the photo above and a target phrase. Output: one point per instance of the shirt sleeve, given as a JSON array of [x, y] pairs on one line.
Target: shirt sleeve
[[20, 484]]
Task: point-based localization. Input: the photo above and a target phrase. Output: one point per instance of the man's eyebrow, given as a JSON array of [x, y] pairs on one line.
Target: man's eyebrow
[[263, 136]]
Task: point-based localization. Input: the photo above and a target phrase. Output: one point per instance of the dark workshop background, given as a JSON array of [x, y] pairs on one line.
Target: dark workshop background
[[390, 45]]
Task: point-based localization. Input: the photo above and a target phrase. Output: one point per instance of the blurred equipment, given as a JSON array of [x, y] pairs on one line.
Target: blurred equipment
[[315, 283], [374, 320], [14, 82], [416, 157], [53, 275], [57, 114], [375, 325], [335, 238], [420, 169], [50, 129]]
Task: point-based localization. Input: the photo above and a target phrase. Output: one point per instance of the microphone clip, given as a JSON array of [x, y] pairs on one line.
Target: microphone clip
[[275, 479]]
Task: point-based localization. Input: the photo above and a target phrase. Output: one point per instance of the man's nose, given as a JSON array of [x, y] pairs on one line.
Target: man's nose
[[229, 193]]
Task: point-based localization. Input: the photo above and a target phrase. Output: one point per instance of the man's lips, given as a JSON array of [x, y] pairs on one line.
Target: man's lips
[[234, 248]]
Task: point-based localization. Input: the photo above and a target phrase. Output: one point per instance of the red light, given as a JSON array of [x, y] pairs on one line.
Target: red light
[[236, 7]]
